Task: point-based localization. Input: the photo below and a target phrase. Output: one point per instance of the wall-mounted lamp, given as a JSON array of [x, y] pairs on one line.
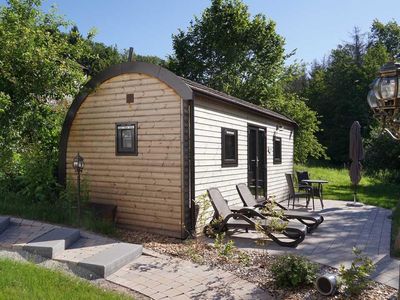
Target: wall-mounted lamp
[[279, 127], [78, 164]]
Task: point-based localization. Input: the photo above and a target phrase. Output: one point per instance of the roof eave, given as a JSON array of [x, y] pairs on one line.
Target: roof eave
[[197, 91]]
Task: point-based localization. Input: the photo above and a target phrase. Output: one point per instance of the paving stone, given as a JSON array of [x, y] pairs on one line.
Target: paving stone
[[172, 293], [162, 288], [149, 292], [27, 222], [163, 280], [184, 288], [159, 296], [137, 287], [182, 297], [135, 279]]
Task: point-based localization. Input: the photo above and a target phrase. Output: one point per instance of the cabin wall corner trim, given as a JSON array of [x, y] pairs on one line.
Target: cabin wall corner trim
[[161, 73]]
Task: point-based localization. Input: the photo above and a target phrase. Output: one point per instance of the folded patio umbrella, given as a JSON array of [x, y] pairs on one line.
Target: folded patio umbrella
[[356, 154]]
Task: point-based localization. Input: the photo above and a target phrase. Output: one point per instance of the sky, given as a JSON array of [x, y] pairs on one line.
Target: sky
[[313, 27]]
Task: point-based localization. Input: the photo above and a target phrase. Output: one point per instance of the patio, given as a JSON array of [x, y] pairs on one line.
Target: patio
[[158, 275], [366, 227]]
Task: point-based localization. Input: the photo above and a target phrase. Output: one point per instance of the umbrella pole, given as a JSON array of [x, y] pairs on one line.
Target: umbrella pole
[[355, 203], [355, 194]]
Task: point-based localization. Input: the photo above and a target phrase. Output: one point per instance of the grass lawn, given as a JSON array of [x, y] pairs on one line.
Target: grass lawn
[[27, 281], [371, 191]]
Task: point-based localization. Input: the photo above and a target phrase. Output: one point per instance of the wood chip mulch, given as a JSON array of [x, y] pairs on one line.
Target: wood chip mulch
[[253, 266]]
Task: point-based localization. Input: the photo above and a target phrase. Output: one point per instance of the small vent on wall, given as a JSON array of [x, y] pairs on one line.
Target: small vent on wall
[[130, 98]]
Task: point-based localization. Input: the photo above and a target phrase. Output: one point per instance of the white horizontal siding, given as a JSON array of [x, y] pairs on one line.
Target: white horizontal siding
[[209, 118]]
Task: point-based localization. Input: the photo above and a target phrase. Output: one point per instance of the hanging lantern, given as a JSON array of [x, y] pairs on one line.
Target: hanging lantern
[[384, 98]]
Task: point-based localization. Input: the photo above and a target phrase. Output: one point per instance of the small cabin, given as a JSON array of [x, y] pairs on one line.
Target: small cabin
[[153, 142]]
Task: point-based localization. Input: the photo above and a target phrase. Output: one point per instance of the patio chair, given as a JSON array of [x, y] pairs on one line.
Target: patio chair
[[247, 218], [311, 220], [303, 175], [307, 194]]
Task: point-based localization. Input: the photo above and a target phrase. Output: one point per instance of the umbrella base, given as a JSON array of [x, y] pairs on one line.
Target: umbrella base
[[354, 204]]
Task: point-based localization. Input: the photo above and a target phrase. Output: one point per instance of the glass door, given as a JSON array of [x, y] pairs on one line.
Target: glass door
[[256, 144]]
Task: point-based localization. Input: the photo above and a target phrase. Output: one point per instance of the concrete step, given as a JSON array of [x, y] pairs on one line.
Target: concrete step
[[53, 242], [4, 222], [111, 259]]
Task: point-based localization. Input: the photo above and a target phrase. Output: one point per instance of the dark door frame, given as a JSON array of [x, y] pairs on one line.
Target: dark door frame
[[257, 128]]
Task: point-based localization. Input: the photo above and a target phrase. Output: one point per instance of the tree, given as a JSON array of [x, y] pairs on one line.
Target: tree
[[387, 35], [96, 56], [337, 90], [228, 50], [152, 59], [39, 69], [306, 143], [382, 155]]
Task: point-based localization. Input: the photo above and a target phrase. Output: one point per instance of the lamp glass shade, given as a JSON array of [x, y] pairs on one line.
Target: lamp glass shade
[[78, 163], [388, 87], [372, 101], [375, 88], [398, 87], [396, 118]]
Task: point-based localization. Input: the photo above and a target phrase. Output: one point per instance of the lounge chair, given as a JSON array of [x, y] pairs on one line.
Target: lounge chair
[[307, 194], [247, 218], [311, 220]]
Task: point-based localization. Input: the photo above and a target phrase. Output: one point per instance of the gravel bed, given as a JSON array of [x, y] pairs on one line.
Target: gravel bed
[[252, 266], [70, 269]]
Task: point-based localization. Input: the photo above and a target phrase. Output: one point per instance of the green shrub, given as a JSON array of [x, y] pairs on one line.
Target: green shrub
[[395, 234], [356, 277], [59, 210], [292, 271], [224, 249], [244, 259], [382, 156], [37, 181], [195, 250], [211, 230]]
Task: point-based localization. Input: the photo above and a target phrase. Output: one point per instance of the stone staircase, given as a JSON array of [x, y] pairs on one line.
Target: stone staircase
[[99, 255]]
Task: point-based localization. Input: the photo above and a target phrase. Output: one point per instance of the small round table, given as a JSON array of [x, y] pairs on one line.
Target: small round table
[[320, 183]]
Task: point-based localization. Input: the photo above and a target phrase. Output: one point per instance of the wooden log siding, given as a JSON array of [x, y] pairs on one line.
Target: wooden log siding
[[210, 116], [146, 188]]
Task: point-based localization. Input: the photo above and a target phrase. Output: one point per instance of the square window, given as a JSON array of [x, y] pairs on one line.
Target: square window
[[130, 98], [277, 150], [229, 147], [126, 139]]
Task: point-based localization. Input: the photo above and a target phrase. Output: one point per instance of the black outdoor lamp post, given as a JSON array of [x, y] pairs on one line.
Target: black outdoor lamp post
[[384, 98], [78, 165]]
